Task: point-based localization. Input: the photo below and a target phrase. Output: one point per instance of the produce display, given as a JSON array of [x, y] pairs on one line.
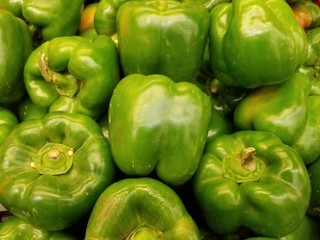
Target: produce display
[[160, 119]]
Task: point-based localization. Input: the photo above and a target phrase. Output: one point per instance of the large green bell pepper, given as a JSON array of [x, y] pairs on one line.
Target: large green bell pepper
[[254, 43], [50, 19], [162, 37], [140, 208], [251, 179], [73, 74], [15, 228], [287, 110], [158, 124], [53, 169], [15, 47]]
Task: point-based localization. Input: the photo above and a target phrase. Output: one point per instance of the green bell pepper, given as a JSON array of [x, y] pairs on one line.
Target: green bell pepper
[[50, 19], [219, 124], [162, 37], [14, 54], [13, 6], [140, 208], [251, 179], [308, 229], [311, 66], [53, 169], [287, 110], [73, 74], [254, 43], [8, 120], [29, 110], [158, 124], [314, 173], [16, 228]]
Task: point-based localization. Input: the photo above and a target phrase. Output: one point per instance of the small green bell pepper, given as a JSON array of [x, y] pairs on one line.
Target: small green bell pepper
[[251, 179], [219, 124], [254, 43], [73, 74], [50, 19], [8, 120], [17, 228], [140, 208], [53, 169], [29, 110], [158, 124], [287, 110], [14, 54], [162, 37]]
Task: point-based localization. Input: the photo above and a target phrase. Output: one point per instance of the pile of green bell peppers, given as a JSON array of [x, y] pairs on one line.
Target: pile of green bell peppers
[[160, 119]]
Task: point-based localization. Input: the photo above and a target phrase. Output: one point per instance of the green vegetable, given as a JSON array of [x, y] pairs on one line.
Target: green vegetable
[[314, 9], [158, 124], [308, 229], [287, 110], [13, 6], [53, 169], [219, 124], [8, 121], [251, 179], [314, 173], [13, 56], [162, 37], [29, 110], [50, 19], [73, 74], [254, 43], [16, 228], [140, 208], [311, 66]]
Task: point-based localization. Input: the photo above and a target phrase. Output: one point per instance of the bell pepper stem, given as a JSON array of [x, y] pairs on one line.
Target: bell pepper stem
[[145, 231], [246, 157], [66, 84], [53, 159], [243, 167]]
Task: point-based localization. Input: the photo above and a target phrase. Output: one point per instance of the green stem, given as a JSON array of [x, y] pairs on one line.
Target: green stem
[[65, 84], [243, 167], [145, 232], [53, 159]]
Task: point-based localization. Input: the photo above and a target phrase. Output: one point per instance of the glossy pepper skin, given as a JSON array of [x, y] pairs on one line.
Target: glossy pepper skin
[[73, 74], [13, 6], [255, 43], [17, 228], [251, 179], [314, 172], [140, 208], [311, 66], [173, 35], [8, 120], [308, 229], [50, 19], [287, 110], [13, 56], [156, 124], [53, 169]]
